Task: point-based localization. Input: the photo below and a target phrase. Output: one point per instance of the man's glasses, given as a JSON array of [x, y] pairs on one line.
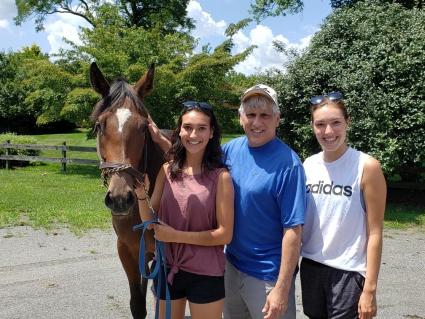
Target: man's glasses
[[333, 96], [194, 104]]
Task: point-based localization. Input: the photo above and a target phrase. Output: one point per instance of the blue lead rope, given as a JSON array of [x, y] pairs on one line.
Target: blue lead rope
[[159, 265]]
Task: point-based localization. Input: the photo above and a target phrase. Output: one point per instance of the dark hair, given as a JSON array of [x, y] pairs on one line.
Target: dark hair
[[339, 104], [212, 158]]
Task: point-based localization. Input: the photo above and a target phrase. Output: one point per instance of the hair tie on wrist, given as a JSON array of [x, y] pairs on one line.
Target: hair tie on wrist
[[141, 198]]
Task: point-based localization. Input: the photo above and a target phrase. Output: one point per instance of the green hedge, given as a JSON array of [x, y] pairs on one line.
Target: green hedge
[[17, 139]]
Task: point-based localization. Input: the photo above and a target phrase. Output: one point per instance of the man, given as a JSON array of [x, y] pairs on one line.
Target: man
[[270, 200]]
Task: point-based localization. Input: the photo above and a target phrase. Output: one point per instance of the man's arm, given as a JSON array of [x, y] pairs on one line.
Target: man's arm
[[277, 300]]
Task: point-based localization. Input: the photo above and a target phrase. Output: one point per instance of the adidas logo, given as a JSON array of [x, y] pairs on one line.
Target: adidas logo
[[328, 189]]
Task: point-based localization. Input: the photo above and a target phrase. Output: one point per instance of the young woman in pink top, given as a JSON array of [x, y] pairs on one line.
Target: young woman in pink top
[[193, 196]]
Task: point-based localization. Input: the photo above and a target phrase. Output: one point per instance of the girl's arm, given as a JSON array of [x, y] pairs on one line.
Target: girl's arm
[[144, 210], [219, 236], [375, 192]]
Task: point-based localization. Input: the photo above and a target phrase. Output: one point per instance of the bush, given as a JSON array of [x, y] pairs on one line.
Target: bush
[[374, 54], [17, 139]]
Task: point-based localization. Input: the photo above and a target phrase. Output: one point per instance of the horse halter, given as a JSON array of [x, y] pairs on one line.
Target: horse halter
[[109, 168]]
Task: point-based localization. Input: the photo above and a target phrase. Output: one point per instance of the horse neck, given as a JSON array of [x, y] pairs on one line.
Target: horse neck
[[155, 159]]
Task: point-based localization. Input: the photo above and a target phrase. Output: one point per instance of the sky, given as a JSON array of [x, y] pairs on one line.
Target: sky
[[212, 17]]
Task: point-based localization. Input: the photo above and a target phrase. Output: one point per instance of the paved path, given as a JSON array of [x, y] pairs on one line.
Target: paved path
[[59, 275]]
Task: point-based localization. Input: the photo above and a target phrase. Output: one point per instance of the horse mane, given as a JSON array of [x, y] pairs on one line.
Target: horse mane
[[119, 91]]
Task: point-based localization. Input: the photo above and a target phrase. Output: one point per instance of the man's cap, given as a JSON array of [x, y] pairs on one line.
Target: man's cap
[[260, 89]]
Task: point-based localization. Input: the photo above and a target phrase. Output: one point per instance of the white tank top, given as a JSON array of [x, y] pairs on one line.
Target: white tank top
[[334, 232]]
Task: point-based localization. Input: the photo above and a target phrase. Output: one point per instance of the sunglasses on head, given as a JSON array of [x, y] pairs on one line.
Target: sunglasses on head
[[194, 104], [333, 96]]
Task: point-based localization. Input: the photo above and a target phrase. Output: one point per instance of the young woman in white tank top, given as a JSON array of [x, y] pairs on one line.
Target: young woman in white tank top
[[342, 235]]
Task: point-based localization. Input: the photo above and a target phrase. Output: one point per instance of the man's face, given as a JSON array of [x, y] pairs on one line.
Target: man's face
[[259, 124]]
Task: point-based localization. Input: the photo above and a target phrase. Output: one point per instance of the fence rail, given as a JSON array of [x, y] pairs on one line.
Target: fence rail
[[64, 159]]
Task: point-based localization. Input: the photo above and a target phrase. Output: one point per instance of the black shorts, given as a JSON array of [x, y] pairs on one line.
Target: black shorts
[[200, 289], [328, 292]]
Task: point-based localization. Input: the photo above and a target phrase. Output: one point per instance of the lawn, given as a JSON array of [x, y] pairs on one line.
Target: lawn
[[41, 196], [78, 138]]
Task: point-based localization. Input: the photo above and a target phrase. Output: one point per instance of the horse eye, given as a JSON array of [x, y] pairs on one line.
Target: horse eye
[[143, 127], [98, 127]]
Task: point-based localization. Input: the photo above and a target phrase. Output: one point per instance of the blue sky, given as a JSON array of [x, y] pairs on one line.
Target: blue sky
[[212, 18]]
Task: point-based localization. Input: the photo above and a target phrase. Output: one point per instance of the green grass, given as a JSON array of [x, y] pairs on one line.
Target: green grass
[[404, 217], [43, 197], [227, 137], [78, 138]]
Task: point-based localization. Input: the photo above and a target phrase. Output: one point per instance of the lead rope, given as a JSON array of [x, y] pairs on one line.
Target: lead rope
[[160, 260]]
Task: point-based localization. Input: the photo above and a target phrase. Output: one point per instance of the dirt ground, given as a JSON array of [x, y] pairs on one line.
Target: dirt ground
[[56, 274]]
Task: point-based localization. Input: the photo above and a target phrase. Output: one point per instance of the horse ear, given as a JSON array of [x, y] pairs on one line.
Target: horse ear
[[98, 81], [145, 84]]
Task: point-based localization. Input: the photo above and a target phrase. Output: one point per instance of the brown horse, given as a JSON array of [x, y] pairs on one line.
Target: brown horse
[[126, 151]]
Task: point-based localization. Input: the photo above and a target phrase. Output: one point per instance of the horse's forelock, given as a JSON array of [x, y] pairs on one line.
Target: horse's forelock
[[120, 90]]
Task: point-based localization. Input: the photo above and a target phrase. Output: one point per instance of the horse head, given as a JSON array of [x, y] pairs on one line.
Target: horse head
[[122, 133]]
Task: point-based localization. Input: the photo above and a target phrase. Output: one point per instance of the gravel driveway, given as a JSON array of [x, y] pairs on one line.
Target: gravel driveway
[[55, 274]]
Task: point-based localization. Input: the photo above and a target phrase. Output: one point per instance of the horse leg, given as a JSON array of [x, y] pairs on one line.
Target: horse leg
[[138, 288]]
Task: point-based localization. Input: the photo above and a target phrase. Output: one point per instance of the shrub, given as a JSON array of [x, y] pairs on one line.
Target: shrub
[[17, 139], [374, 54]]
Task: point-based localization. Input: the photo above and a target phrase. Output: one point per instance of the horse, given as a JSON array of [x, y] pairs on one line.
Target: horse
[[126, 152]]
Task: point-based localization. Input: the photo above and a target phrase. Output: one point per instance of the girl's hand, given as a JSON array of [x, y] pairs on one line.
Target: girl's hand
[[154, 130], [367, 305], [157, 136], [140, 190], [165, 233]]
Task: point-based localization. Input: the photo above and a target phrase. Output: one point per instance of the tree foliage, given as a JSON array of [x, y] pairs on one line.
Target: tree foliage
[[263, 8], [125, 37], [27, 87], [375, 54], [410, 4], [166, 15], [180, 74]]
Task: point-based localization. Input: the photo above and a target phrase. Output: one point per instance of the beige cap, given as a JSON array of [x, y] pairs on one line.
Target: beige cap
[[261, 89]]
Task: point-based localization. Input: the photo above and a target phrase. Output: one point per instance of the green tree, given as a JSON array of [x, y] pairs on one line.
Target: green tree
[[410, 4], [61, 89], [374, 53], [167, 15], [180, 74], [11, 93], [33, 89], [264, 8]]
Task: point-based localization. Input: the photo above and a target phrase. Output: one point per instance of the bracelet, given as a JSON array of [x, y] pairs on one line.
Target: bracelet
[[141, 198]]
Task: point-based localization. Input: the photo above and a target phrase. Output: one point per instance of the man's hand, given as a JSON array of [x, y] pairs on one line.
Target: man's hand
[[276, 304]]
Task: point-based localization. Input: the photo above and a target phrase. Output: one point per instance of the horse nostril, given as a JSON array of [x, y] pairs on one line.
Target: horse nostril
[[108, 200], [130, 199]]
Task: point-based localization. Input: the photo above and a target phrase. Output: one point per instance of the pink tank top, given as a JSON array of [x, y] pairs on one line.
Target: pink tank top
[[188, 204]]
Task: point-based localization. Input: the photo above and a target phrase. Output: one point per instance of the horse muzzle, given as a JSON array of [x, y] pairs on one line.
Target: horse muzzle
[[118, 204]]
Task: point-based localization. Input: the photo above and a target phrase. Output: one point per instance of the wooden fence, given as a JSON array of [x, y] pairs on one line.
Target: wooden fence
[[64, 159]]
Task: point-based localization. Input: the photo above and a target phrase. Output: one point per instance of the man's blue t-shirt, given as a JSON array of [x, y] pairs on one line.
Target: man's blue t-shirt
[[270, 195]]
